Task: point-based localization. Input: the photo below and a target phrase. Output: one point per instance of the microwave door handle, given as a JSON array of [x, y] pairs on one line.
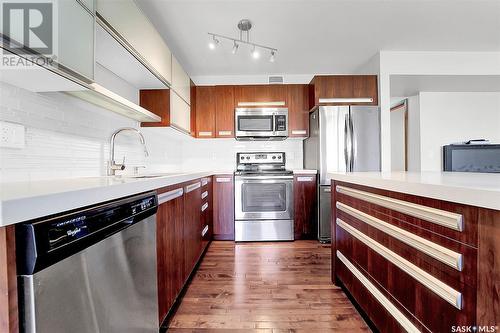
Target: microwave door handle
[[274, 123]]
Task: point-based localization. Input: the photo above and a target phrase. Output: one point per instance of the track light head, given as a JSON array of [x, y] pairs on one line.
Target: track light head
[[235, 47], [255, 53], [213, 43], [272, 57]]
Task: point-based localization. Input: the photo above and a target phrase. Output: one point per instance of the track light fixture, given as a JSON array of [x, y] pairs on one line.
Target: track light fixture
[[244, 27]]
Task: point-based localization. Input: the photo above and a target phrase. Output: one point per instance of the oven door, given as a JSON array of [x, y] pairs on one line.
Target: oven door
[[264, 197]]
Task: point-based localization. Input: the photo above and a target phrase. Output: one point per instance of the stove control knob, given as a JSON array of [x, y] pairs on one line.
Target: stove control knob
[[248, 157], [274, 157], [279, 157]]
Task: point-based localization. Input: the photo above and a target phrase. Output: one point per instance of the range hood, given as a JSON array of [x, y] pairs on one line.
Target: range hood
[[100, 96]]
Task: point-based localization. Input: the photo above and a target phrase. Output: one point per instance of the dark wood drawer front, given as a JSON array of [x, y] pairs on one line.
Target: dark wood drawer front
[[469, 214], [385, 312], [452, 262], [431, 301]]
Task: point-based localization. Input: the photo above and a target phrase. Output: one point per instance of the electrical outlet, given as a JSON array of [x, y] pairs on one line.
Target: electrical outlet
[[11, 135]]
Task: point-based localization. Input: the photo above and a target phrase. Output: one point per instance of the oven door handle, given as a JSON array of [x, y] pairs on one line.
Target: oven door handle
[[262, 177], [274, 123]]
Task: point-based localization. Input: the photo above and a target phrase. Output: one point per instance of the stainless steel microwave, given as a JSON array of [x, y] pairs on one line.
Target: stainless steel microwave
[[261, 123]]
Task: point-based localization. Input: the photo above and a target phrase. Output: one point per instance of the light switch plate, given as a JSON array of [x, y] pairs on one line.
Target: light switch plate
[[12, 135]]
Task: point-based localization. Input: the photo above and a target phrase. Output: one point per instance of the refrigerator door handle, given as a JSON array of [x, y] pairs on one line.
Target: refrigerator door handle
[[352, 143], [346, 136]]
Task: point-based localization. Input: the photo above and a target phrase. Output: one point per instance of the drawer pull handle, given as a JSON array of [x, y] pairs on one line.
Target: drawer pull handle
[[436, 251], [204, 181], [225, 133], [437, 216], [299, 132], [204, 231], [170, 195], [394, 311], [223, 180], [204, 207], [204, 133], [305, 179], [439, 288], [204, 195], [193, 187]]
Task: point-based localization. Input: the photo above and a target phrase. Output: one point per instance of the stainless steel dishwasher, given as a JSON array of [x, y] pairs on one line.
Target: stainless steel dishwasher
[[91, 270]]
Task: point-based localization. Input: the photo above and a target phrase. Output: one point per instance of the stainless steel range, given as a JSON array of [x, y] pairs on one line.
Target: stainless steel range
[[263, 198]]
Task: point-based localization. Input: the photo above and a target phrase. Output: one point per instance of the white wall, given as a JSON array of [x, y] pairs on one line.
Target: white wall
[[398, 140], [67, 137], [440, 118]]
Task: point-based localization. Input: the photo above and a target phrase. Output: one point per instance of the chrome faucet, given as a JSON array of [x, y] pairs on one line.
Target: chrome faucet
[[113, 166]]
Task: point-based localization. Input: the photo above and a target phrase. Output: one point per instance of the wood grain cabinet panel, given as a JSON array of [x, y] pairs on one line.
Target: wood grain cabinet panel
[[304, 202], [343, 86], [170, 247], [223, 202], [224, 111], [158, 102], [192, 225], [298, 110], [8, 281], [206, 229], [205, 112], [192, 92], [442, 275], [260, 94]]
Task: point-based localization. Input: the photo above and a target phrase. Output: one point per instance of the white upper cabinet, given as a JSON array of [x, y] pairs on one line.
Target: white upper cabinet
[[180, 81], [130, 22], [180, 112]]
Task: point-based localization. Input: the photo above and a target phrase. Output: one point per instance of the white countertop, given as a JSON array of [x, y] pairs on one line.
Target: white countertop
[[23, 201], [476, 189]]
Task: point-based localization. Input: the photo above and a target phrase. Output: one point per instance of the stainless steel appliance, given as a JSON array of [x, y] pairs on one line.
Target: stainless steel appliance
[[263, 198], [261, 123], [472, 157], [342, 138], [92, 270]]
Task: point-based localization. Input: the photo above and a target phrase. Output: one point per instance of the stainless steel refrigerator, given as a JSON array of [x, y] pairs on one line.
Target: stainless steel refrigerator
[[345, 139]]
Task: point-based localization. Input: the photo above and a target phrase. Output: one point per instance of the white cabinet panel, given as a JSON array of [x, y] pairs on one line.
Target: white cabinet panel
[[180, 112], [76, 38], [131, 23], [180, 81]]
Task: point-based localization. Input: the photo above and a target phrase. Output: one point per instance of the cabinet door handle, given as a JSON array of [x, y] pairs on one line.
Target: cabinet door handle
[[225, 133], [193, 187], [204, 207], [305, 179], [204, 133], [276, 103], [223, 180], [170, 195], [204, 195], [299, 132], [347, 100], [204, 231]]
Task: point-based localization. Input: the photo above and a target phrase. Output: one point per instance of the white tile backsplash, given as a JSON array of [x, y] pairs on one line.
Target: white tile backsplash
[[67, 137]]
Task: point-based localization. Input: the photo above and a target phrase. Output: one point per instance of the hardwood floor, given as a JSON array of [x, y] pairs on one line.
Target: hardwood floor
[[266, 287]]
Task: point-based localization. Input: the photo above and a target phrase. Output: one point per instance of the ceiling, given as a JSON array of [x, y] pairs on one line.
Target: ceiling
[[320, 36]]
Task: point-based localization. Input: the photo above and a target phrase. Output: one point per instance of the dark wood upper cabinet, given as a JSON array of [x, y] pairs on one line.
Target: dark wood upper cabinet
[[205, 112], [304, 204], [266, 93], [192, 93], [224, 111], [343, 86], [158, 102], [298, 110], [223, 201]]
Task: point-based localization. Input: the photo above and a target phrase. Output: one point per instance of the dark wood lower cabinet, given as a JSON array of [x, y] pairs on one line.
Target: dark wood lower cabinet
[[192, 223], [8, 281], [305, 199], [433, 274], [170, 247], [223, 190]]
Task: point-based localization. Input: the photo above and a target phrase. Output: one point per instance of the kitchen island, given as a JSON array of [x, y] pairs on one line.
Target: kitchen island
[[419, 252]]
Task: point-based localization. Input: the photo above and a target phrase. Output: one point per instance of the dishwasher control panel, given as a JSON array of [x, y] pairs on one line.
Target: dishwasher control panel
[[68, 232]]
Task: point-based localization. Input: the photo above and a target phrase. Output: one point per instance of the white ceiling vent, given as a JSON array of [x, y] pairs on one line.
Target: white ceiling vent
[[275, 79]]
